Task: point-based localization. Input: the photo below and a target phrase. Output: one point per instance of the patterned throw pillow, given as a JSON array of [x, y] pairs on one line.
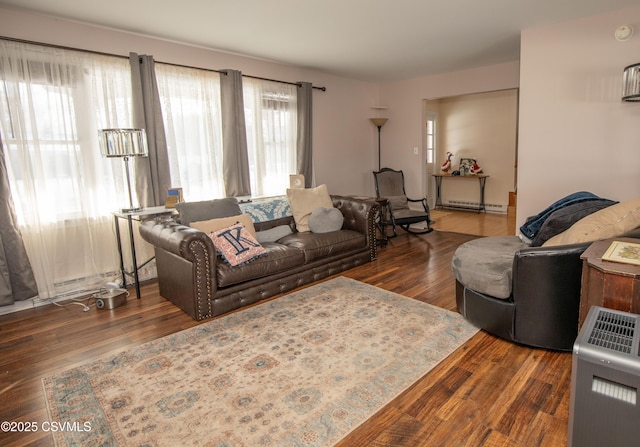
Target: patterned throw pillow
[[209, 226], [236, 245]]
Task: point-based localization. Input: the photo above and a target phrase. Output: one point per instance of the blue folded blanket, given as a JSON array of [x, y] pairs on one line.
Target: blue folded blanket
[[534, 223]]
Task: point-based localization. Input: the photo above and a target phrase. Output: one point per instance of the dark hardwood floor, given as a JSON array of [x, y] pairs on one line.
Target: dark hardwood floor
[[488, 393]]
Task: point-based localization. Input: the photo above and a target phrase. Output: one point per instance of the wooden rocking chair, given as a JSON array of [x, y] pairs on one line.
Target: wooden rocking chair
[[390, 185]]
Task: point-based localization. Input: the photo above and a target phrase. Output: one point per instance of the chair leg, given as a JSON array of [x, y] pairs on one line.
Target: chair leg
[[392, 222], [408, 229], [393, 229], [428, 229]]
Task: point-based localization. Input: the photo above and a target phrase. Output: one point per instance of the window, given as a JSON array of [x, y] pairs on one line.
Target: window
[[190, 101], [271, 120], [48, 133], [52, 102], [44, 147], [431, 138]]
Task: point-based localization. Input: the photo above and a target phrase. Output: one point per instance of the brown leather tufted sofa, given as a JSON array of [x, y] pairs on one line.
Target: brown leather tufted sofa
[[193, 276]]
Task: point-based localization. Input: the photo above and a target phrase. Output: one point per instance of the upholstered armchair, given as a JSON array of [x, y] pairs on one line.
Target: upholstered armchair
[[531, 294], [528, 295]]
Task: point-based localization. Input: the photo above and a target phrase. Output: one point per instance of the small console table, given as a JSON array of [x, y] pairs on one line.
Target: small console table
[[141, 215], [482, 179], [615, 285]]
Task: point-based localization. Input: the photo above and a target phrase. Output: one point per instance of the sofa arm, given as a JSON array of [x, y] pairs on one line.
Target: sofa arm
[[359, 215], [186, 261], [546, 291], [176, 238]]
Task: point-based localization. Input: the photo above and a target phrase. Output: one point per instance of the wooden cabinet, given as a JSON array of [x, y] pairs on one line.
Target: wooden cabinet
[[606, 283]]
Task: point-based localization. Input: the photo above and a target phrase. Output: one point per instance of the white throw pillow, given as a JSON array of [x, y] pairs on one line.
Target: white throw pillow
[[613, 221], [304, 201]]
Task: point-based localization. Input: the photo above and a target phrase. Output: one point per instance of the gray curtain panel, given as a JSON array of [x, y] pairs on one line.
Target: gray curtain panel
[[17, 282], [153, 178], [235, 159], [304, 151]]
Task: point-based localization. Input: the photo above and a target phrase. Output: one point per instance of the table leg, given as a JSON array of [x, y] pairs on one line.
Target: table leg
[[118, 238], [133, 257], [482, 180], [382, 226], [438, 190]]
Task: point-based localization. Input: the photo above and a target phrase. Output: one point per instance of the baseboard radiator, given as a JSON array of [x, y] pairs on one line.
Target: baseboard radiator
[[605, 378], [489, 207]]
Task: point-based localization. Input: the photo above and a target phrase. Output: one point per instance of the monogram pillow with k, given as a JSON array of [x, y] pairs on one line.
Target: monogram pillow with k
[[236, 244]]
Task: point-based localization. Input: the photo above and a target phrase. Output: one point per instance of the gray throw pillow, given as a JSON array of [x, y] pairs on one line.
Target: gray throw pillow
[[324, 220], [273, 234], [207, 210]]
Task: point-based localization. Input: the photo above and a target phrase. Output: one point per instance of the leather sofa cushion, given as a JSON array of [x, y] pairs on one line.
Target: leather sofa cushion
[[273, 234], [319, 245], [207, 209], [485, 265], [278, 258]]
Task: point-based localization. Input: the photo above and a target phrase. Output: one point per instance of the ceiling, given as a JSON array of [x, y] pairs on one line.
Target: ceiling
[[370, 40]]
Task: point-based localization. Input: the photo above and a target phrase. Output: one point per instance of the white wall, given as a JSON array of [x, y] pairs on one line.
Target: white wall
[[342, 142], [404, 130], [481, 126], [575, 133]]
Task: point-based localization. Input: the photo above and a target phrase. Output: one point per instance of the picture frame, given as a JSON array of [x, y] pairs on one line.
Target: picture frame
[[174, 195], [624, 252], [296, 181], [466, 164]]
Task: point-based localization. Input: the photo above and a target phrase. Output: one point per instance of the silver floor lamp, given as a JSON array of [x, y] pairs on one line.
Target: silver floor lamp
[[124, 143]]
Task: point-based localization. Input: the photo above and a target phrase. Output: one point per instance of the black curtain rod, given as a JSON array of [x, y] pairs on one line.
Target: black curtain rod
[[62, 47]]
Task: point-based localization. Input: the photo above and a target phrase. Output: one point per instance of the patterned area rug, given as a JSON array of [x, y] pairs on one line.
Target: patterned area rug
[[301, 370]]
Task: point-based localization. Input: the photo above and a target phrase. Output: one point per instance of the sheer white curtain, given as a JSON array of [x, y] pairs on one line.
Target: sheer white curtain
[[270, 116], [190, 101], [52, 102]]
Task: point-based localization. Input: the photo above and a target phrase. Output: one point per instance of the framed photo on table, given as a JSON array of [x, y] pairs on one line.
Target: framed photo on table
[[174, 195], [625, 252], [466, 164]]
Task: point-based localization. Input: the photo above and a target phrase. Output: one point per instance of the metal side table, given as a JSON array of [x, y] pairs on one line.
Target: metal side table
[[482, 179], [144, 214]]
